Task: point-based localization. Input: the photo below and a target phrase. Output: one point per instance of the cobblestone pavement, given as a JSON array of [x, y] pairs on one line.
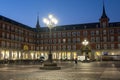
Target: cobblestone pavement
[[69, 71]]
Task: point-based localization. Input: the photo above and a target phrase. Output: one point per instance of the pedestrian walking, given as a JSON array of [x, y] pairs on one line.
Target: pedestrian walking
[[76, 63]]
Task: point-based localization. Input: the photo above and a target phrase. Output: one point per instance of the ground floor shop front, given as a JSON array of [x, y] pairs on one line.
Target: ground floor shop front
[[12, 54]]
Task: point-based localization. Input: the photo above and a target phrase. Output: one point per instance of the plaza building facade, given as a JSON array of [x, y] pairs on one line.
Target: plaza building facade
[[20, 42]]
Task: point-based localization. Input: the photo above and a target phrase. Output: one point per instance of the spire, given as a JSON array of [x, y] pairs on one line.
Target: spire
[[104, 20], [38, 25], [104, 13]]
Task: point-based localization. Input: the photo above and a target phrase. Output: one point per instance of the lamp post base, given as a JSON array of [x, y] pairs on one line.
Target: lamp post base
[[50, 66]]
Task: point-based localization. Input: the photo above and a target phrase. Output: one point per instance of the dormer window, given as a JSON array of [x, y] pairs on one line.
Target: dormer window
[[85, 26], [97, 26], [73, 27]]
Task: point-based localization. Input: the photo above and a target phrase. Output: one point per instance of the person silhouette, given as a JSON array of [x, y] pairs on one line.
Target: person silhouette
[[76, 62]]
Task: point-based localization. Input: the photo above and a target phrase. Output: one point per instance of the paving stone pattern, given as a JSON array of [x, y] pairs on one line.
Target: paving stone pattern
[[83, 71]]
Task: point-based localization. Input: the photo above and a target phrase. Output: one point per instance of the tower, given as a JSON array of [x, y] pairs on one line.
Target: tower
[[104, 20]]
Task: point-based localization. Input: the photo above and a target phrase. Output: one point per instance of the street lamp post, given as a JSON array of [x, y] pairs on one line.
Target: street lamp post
[[85, 43], [51, 21]]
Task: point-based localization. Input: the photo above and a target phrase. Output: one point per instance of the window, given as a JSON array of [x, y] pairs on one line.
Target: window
[[3, 26], [104, 24], [45, 47], [112, 46], [3, 34], [59, 34], [12, 36], [59, 40], [78, 33], [73, 33], [74, 47], [92, 33], [41, 47], [74, 40], [68, 34], [92, 39], [54, 35], [105, 39], [54, 47], [105, 46], [64, 47], [41, 41], [54, 41], [69, 40], [63, 34], [119, 46], [84, 33], [118, 38], [97, 46], [64, 40], [111, 31], [59, 47], [104, 32], [46, 35], [69, 47], [37, 48], [41, 35], [97, 39], [112, 38], [118, 31], [3, 43], [78, 40], [37, 35], [97, 32]]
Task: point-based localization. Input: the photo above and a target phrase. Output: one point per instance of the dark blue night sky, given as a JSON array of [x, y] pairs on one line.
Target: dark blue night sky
[[66, 11]]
